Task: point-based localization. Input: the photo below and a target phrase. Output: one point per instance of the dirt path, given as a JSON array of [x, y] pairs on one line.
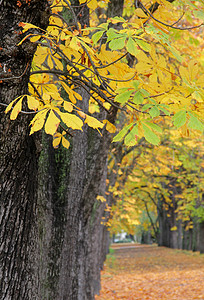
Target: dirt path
[[141, 272]]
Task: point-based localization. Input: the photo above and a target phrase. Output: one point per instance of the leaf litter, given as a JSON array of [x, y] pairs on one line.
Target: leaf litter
[[149, 272]]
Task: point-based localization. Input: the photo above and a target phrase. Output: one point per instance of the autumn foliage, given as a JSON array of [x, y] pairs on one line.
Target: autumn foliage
[[163, 82]]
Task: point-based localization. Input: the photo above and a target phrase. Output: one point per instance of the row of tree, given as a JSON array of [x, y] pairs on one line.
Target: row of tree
[[159, 190]]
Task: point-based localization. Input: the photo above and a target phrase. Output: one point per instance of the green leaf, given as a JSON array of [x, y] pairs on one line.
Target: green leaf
[[176, 54], [117, 44], [132, 47], [144, 92], [135, 84], [138, 98], [179, 118], [194, 123], [150, 136], [122, 133], [154, 126], [131, 137], [146, 106], [96, 36], [124, 97], [104, 25], [154, 112], [199, 14], [143, 45], [161, 107], [112, 34]]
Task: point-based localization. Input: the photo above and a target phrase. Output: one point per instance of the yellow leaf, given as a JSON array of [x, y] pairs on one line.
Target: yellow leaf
[[75, 44], [27, 26], [109, 126], [68, 106], [92, 4], [52, 123], [82, 114], [78, 96], [101, 198], [71, 120], [140, 13], [33, 103], [38, 121], [65, 142], [9, 107], [184, 73], [93, 122], [55, 20], [58, 63], [65, 3], [50, 62], [56, 140], [174, 228], [40, 55], [35, 38], [69, 91], [17, 108]]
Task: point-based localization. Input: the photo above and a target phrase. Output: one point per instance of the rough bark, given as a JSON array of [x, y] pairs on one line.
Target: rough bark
[[73, 259], [19, 155], [79, 278]]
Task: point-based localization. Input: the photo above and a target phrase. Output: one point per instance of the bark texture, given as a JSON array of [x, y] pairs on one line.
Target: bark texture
[[74, 242], [19, 155]]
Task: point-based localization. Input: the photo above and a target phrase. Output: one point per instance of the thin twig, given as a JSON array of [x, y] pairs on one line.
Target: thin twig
[[168, 25], [22, 111], [16, 77]]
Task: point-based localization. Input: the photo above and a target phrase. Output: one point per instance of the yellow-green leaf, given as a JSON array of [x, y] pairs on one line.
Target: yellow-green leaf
[[132, 47]]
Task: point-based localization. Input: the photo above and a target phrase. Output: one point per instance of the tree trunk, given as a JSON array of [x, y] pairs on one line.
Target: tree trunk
[[80, 264], [74, 242], [201, 237], [19, 157]]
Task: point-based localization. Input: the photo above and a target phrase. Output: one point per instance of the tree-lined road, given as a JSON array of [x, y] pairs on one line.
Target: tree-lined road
[[141, 272]]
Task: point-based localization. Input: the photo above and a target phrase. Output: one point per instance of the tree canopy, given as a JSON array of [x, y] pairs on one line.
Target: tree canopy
[[161, 86]]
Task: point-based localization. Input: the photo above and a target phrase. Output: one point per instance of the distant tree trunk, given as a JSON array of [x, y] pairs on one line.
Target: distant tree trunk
[[163, 236], [115, 8], [201, 237], [180, 236], [19, 157], [146, 237]]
